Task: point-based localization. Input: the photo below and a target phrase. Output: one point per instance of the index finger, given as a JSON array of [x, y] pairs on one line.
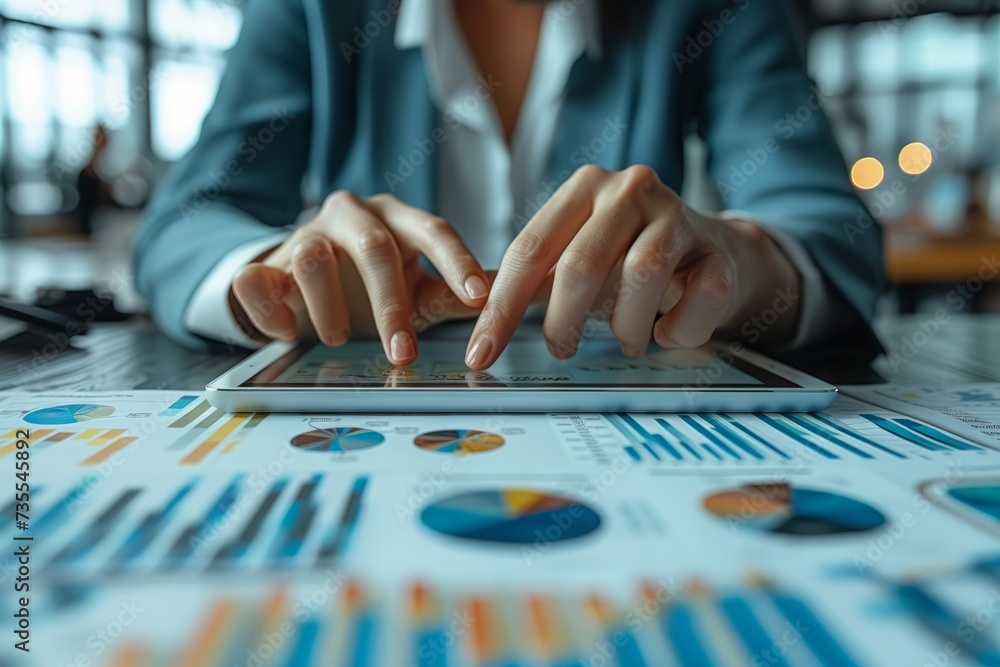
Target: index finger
[[527, 264]]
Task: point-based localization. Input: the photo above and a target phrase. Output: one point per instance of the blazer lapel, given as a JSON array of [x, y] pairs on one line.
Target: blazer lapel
[[403, 123], [597, 112]]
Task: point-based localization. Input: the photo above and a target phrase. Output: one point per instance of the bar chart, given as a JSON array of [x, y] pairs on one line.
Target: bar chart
[[742, 439], [423, 625], [201, 524]]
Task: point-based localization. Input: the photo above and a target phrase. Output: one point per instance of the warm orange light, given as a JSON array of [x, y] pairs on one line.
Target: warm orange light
[[915, 159], [867, 173]]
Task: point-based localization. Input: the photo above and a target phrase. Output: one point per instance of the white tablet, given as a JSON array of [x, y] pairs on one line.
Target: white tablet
[[721, 377]]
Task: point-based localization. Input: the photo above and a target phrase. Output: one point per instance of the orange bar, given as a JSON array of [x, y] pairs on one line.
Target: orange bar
[[88, 434], [108, 451], [205, 448], [106, 438], [484, 641], [133, 655], [231, 446], [544, 630], [206, 643]]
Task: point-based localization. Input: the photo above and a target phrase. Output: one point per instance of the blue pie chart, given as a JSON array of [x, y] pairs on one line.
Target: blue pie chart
[[338, 440], [68, 414], [513, 516]]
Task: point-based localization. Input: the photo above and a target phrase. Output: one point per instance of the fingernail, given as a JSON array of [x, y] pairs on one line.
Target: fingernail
[[633, 351], [479, 354], [560, 352], [476, 287], [338, 337], [401, 346]]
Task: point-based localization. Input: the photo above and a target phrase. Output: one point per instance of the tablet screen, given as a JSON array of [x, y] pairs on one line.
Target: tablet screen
[[525, 364]]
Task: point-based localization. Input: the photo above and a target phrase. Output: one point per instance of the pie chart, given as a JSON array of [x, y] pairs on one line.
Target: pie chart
[[458, 442], [338, 440], [512, 516], [69, 414], [984, 498], [788, 510]]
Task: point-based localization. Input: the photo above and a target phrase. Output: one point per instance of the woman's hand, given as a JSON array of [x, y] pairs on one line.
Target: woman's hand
[[355, 268], [677, 274]]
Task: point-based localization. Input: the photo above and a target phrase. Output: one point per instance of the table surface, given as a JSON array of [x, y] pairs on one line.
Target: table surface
[[930, 348]]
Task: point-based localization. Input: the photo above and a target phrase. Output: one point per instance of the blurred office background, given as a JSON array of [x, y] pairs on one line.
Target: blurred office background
[[97, 97]]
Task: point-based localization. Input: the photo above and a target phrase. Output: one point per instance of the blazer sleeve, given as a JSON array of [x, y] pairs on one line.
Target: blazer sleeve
[[244, 176], [772, 153]]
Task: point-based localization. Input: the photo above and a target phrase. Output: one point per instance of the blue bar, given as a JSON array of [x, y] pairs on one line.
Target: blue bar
[[302, 653], [940, 436], [823, 433], [183, 546], [178, 406], [897, 430], [630, 450], [946, 623], [241, 543], [364, 638], [710, 450], [93, 534], [629, 653], [690, 421], [791, 433], [734, 437], [431, 651], [339, 534], [735, 423], [147, 531], [755, 638], [655, 437], [669, 428], [59, 509], [285, 544], [823, 645], [684, 638], [832, 423]]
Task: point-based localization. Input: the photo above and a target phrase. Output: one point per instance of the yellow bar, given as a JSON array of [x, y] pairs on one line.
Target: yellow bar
[[106, 438], [12, 433], [205, 448], [108, 451], [202, 650], [35, 437], [88, 434]]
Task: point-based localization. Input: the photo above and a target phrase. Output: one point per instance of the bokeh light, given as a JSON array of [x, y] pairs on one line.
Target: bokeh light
[[867, 173], [915, 159]]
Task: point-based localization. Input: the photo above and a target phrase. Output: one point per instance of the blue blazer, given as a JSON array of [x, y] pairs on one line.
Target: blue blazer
[[317, 97]]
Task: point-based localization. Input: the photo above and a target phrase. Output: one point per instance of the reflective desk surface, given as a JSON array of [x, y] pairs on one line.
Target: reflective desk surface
[[924, 348]]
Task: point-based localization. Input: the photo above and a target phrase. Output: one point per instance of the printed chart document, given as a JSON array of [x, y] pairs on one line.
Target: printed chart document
[[369, 536], [969, 410]]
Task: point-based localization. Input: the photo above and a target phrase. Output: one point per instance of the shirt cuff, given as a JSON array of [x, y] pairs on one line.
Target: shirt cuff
[[817, 314], [208, 313]]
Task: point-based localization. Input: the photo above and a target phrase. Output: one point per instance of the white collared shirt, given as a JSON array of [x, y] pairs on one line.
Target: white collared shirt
[[487, 189]]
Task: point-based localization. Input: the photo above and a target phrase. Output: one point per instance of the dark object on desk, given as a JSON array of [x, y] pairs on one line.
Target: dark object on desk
[[42, 320], [86, 305]]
